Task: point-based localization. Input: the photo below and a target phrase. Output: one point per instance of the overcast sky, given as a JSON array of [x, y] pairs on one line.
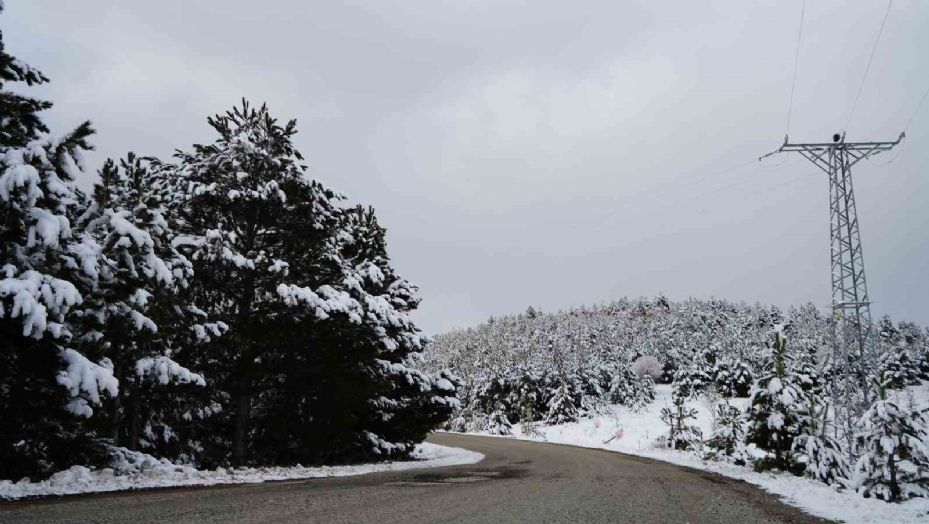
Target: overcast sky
[[546, 153]]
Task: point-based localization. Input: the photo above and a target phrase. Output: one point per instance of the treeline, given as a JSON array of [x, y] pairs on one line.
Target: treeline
[[218, 308], [593, 350], [864, 434], [697, 344]]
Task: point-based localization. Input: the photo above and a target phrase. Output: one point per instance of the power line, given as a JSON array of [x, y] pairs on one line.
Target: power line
[[868, 67], [681, 199], [793, 83], [905, 127], [918, 107], [663, 190]]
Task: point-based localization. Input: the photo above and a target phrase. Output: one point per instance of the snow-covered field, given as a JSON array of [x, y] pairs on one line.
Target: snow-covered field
[[141, 471], [635, 433]]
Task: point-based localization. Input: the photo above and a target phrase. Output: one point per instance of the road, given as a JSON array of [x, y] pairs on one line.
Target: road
[[517, 482]]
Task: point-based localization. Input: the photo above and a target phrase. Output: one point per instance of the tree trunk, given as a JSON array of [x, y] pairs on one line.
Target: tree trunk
[[894, 485], [135, 421], [116, 419], [240, 430]]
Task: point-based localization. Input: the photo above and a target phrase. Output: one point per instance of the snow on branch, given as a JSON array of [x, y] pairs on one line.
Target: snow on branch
[[165, 371], [35, 297], [324, 301], [85, 380]]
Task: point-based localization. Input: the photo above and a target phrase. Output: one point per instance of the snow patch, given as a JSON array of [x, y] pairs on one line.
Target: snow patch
[[133, 470]]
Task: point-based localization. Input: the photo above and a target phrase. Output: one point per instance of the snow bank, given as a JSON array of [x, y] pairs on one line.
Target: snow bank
[[133, 470], [623, 430]]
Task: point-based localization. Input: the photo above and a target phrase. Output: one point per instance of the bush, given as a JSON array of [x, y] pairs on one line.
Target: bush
[[648, 365]]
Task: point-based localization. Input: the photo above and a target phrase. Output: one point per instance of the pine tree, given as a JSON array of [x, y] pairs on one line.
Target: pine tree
[[894, 464], [728, 431], [773, 421], [46, 387], [682, 434], [134, 312], [320, 336], [498, 423], [561, 405], [815, 451]]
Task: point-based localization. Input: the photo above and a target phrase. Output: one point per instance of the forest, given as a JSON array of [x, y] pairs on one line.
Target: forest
[[537, 369]]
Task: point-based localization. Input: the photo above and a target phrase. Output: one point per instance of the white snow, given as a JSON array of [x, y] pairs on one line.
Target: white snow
[[166, 371], [623, 430], [133, 470], [85, 380]]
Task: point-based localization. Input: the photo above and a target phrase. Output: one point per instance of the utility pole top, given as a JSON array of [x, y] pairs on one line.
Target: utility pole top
[[816, 152]]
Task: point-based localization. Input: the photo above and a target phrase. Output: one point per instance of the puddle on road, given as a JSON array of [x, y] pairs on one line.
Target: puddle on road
[[464, 477]]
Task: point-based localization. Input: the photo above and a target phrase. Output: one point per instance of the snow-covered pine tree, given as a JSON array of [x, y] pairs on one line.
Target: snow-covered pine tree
[[894, 445], [248, 206], [498, 423], [916, 341], [134, 312], [815, 451], [561, 404], [628, 388], [46, 386], [895, 362], [728, 431], [773, 415], [404, 403], [692, 379], [732, 377], [320, 337], [682, 434]]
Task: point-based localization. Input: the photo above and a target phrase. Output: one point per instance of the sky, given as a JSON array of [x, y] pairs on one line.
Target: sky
[[542, 153]]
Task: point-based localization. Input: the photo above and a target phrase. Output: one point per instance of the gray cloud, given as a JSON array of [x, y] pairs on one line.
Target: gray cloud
[[550, 153]]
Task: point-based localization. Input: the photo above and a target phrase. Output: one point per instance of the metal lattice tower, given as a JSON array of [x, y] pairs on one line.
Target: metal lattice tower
[[850, 303]]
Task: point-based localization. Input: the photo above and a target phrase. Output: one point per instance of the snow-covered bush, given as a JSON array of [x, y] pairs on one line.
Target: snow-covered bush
[[498, 424], [648, 365]]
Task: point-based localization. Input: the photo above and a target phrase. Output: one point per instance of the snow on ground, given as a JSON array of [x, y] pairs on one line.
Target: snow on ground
[[149, 472], [635, 434]]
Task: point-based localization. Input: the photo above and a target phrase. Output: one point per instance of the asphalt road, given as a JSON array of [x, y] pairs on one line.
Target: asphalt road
[[517, 482]]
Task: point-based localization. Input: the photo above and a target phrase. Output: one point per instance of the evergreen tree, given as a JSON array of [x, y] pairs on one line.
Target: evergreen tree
[[320, 335], [773, 416], [894, 464], [728, 431], [561, 405], [133, 311], [815, 451], [46, 386], [498, 423], [682, 434]]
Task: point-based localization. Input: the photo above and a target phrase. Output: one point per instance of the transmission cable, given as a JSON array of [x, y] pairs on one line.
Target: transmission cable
[[918, 107], [905, 127], [793, 83], [868, 66]]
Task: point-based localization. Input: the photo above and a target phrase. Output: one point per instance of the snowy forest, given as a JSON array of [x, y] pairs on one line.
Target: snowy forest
[[217, 308], [535, 369]]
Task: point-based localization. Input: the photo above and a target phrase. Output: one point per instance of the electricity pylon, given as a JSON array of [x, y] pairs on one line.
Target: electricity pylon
[[851, 307]]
